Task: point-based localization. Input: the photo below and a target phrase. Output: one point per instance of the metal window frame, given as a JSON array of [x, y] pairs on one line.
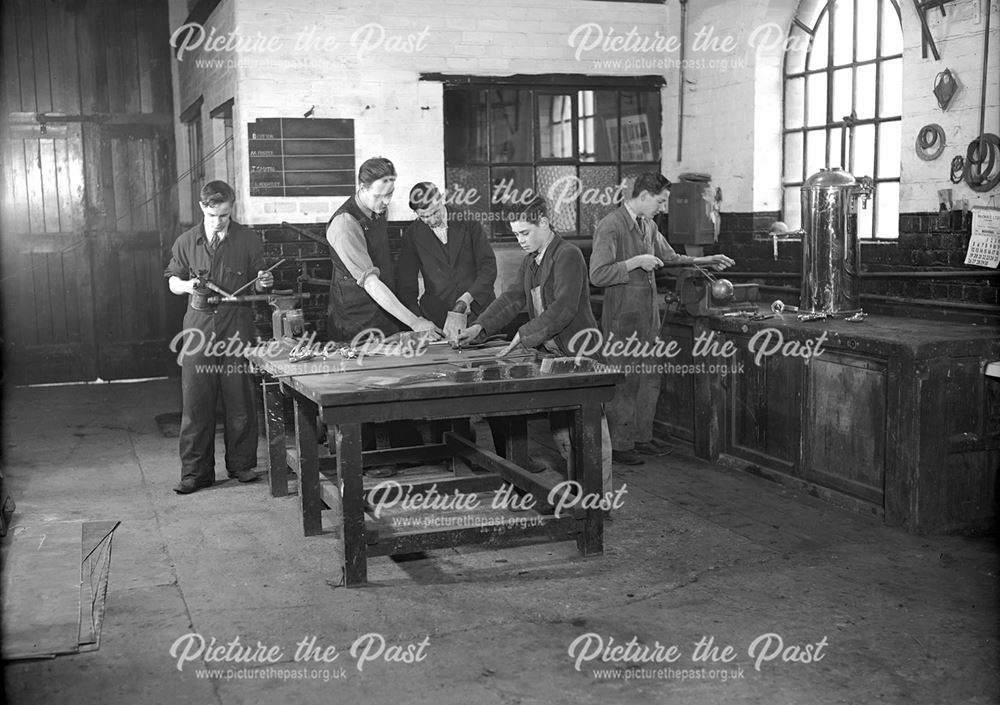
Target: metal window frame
[[826, 13], [572, 87]]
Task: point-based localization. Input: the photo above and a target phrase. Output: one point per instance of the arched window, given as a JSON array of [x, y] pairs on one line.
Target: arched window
[[843, 101]]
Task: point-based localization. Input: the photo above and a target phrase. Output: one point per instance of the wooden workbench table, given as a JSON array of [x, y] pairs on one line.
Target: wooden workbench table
[[346, 393]]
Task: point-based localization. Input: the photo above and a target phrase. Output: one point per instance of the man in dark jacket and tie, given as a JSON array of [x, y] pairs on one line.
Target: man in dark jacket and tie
[[451, 254]]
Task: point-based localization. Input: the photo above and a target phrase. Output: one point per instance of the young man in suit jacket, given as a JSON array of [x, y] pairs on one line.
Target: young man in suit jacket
[[452, 255]]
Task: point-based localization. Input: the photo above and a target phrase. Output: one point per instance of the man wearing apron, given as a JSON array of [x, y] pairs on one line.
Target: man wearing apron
[[552, 285]]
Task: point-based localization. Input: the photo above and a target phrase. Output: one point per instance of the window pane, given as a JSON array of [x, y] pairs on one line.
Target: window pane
[[795, 102], [792, 213], [835, 138], [793, 156], [798, 47], [555, 126], [843, 85], [599, 189], [559, 186], [888, 150], [465, 130], [887, 216], [818, 53], [628, 172], [865, 91], [815, 151], [864, 151], [467, 188], [816, 99], [891, 102], [596, 109], [864, 219], [640, 126], [510, 186], [510, 124], [892, 33], [867, 29], [843, 32]]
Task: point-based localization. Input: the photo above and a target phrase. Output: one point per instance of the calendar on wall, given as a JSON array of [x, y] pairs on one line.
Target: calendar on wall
[[984, 246]]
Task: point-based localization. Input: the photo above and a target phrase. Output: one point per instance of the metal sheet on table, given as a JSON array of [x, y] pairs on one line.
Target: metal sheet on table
[[278, 364]]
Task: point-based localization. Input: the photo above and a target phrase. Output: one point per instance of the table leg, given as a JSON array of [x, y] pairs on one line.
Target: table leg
[[517, 440], [274, 429], [307, 445], [585, 468], [349, 468]]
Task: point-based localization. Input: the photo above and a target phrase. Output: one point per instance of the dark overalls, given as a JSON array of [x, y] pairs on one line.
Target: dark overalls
[[216, 365]]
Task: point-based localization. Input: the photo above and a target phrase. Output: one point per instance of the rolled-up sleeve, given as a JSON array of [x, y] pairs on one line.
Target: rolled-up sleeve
[[178, 265], [348, 241]]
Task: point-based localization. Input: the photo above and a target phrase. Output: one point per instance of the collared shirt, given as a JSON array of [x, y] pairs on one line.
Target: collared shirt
[[541, 253], [635, 218], [348, 240], [233, 264], [442, 231], [210, 237]]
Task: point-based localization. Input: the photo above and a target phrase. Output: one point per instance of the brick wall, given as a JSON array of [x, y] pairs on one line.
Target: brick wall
[[363, 60], [928, 242], [214, 85]]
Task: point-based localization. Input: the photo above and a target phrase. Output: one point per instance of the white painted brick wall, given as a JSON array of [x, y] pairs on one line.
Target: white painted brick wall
[[732, 108], [959, 37], [215, 85]]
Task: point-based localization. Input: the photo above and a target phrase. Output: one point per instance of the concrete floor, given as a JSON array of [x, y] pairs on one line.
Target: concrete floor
[[697, 553]]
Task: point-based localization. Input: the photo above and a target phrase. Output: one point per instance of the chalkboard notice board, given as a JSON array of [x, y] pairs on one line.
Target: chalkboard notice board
[[301, 157]]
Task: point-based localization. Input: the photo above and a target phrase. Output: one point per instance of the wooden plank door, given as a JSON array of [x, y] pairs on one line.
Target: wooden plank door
[[47, 286], [130, 223], [89, 198]]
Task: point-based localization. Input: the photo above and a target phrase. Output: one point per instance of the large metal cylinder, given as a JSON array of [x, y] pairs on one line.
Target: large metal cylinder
[[830, 251]]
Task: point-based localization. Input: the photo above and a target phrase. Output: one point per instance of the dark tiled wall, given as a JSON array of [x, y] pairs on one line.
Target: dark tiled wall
[[307, 256], [928, 242]]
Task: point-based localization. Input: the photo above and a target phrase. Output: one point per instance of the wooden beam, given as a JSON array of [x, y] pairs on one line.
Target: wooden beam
[[535, 484]]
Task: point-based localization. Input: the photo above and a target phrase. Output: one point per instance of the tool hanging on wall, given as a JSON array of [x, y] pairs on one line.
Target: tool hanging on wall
[[926, 38], [982, 159], [930, 142], [945, 87], [957, 169]]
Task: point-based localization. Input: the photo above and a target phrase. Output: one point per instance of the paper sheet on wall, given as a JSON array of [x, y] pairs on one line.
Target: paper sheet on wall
[[984, 246]]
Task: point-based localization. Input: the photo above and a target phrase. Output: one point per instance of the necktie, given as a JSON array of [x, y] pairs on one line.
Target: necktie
[[643, 223]]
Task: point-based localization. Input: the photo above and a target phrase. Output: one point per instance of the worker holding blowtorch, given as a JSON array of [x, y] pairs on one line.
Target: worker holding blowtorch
[[211, 260]]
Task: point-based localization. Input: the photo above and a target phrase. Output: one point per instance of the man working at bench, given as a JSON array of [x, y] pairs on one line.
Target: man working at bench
[[552, 285]]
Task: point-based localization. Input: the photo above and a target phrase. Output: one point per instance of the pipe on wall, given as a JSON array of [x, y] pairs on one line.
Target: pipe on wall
[[961, 274], [680, 85]]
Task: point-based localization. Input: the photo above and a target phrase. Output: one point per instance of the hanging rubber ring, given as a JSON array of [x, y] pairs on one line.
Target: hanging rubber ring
[[930, 142], [979, 170], [957, 170]]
